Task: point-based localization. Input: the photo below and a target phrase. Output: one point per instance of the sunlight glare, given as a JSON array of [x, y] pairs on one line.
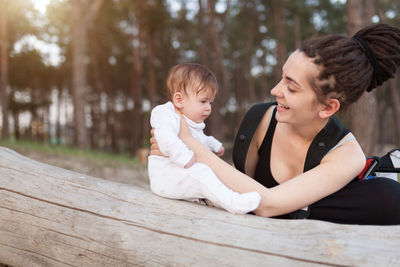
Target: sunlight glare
[[40, 5]]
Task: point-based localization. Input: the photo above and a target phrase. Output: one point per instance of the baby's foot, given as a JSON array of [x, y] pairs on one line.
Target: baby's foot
[[244, 203]]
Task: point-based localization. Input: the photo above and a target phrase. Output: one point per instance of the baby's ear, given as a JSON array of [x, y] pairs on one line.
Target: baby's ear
[[331, 106], [177, 99]]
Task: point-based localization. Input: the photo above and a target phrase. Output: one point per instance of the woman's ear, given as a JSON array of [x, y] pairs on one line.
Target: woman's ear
[[331, 106], [177, 99]]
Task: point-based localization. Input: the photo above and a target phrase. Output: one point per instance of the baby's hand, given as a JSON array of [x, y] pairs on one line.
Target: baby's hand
[[220, 151]]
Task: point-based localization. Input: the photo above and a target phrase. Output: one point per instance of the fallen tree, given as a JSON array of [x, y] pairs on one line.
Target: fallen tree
[[54, 217]]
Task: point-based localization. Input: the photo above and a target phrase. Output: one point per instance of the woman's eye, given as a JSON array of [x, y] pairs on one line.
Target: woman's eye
[[291, 90]]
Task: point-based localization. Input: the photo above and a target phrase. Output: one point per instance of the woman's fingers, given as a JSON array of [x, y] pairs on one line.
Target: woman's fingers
[[156, 153], [153, 140], [154, 149], [154, 146]]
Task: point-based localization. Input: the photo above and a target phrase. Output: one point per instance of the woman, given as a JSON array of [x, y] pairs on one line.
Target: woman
[[324, 75]]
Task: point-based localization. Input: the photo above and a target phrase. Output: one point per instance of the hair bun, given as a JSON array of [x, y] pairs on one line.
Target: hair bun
[[369, 52], [381, 44]]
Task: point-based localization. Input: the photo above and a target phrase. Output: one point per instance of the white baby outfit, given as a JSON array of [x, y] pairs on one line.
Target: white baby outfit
[[169, 178]]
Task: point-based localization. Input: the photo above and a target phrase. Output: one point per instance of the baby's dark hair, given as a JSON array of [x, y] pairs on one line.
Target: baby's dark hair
[[190, 76], [351, 66]]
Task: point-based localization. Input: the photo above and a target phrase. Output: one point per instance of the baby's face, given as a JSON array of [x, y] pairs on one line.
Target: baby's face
[[197, 107]]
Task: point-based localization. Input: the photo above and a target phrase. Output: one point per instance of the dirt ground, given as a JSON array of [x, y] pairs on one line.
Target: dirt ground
[[118, 172]]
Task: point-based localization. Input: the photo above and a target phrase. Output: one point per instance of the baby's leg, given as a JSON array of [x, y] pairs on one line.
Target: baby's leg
[[204, 181]]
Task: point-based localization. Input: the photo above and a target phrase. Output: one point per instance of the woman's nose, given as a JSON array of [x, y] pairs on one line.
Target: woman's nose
[[276, 91]]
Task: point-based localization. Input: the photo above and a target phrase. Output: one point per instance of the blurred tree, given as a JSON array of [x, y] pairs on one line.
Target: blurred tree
[[150, 28], [16, 21], [136, 79], [4, 66], [29, 76], [57, 30], [395, 104], [132, 45], [203, 55], [389, 102], [363, 114], [155, 19], [82, 18], [217, 31], [107, 77], [278, 9]]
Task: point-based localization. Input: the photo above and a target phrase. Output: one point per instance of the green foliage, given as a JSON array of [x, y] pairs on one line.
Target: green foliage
[[100, 157]]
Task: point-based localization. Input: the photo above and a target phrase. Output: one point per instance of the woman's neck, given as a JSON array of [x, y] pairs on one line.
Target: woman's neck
[[305, 131]]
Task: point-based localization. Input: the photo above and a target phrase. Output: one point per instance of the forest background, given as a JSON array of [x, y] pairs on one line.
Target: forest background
[[86, 73]]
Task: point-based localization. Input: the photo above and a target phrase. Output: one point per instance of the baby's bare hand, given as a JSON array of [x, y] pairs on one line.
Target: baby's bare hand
[[221, 151]]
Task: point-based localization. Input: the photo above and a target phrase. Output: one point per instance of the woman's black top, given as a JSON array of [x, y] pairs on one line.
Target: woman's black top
[[263, 170], [375, 201]]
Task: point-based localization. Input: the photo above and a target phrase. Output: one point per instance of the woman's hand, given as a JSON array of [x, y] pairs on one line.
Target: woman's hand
[[184, 132], [154, 149]]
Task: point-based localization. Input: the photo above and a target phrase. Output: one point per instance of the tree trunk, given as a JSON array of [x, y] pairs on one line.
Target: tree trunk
[[202, 34], [4, 68], [17, 133], [81, 21], [363, 114], [278, 9], [251, 28], [58, 119], [136, 81], [395, 97], [222, 73], [150, 59], [152, 72], [297, 30], [264, 92], [54, 217], [79, 41]]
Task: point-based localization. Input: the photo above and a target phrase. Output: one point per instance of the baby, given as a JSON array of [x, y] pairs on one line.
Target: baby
[[191, 89]]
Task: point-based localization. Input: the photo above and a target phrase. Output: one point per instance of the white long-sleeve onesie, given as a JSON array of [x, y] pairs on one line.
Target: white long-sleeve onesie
[[169, 178]]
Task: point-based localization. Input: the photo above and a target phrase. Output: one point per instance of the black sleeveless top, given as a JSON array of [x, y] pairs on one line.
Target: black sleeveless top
[[326, 139], [263, 171]]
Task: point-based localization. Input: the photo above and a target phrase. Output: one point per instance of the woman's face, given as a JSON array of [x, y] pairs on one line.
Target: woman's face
[[297, 101]]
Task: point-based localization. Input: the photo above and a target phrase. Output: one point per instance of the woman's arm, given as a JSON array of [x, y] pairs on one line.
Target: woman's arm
[[336, 170]]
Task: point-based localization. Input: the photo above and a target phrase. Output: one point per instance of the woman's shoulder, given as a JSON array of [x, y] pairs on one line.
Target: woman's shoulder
[[264, 125]]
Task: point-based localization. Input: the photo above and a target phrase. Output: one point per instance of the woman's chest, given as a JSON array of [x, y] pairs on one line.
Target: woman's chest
[[287, 159]]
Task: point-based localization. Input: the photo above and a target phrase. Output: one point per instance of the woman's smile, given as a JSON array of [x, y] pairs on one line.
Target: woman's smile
[[282, 108]]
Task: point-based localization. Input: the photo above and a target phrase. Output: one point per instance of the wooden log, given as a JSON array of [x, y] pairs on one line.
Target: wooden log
[[54, 217]]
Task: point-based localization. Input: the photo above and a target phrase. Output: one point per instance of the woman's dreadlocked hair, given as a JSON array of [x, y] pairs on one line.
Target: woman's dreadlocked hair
[[355, 64]]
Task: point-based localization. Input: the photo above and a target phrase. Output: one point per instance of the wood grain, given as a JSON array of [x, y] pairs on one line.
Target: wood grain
[[54, 217]]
